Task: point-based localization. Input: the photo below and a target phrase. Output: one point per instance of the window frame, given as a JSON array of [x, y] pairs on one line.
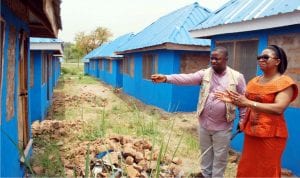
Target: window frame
[[128, 65], [44, 67], [233, 60], [149, 65], [109, 66], [10, 99], [2, 37], [31, 82], [100, 64]]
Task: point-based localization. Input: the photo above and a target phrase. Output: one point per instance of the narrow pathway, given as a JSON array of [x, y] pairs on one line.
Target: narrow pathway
[[88, 117]]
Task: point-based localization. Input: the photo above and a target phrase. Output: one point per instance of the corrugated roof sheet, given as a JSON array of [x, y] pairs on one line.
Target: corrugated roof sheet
[[45, 40], [108, 49], [172, 28], [88, 56], [243, 10]]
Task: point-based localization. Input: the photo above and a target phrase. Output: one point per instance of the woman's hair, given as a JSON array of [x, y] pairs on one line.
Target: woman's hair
[[279, 52]]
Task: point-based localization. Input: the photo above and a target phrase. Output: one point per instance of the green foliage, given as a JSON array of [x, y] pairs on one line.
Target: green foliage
[[191, 142], [159, 159], [96, 129], [85, 43], [87, 162], [72, 53], [49, 158], [20, 150]]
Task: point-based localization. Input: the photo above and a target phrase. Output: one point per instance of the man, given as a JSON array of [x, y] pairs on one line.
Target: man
[[215, 116]]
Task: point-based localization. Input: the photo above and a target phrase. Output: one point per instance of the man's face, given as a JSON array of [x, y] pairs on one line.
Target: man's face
[[218, 61]]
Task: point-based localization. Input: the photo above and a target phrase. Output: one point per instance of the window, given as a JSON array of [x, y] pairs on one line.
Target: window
[[190, 63], [31, 69], [94, 65], [242, 56], [11, 72], [44, 68], [128, 65], [109, 66], [2, 31], [100, 64], [290, 44], [2, 36], [120, 63], [49, 65], [149, 65]]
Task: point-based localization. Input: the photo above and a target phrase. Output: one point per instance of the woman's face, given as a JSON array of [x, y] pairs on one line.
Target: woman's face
[[268, 60]]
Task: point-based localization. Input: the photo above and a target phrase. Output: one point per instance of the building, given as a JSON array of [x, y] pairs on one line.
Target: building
[[20, 20], [166, 47], [106, 65], [45, 70], [246, 28]]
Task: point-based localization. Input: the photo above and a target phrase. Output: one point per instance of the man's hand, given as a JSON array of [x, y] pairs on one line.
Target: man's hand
[[158, 78]]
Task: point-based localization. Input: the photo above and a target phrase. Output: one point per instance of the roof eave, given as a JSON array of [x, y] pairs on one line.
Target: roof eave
[[249, 25], [45, 20], [107, 57], [167, 46]]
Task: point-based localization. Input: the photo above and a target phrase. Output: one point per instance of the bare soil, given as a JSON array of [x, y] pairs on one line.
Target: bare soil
[[70, 130]]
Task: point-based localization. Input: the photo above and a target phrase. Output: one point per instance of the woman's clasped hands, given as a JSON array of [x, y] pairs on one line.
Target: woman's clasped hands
[[232, 97]]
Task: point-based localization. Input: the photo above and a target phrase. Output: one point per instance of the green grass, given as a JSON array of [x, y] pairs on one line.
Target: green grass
[[49, 158], [124, 119], [192, 144], [97, 128]]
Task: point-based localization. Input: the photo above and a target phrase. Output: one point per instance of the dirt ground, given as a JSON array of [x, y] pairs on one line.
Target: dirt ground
[[90, 118]]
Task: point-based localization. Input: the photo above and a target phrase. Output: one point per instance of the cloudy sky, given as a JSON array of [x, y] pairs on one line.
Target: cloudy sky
[[119, 16]]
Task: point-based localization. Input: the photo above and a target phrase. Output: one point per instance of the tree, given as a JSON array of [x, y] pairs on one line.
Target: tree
[[88, 42], [72, 53]]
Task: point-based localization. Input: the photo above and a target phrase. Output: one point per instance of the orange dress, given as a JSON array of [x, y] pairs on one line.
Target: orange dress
[[265, 134]]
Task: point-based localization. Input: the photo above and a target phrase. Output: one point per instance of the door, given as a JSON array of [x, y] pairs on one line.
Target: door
[[23, 125]]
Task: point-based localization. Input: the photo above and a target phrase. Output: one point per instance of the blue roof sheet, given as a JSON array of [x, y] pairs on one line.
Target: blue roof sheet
[[171, 28], [243, 10], [108, 49], [45, 40]]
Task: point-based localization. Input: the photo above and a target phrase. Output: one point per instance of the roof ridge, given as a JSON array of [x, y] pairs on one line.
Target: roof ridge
[[169, 22], [195, 6]]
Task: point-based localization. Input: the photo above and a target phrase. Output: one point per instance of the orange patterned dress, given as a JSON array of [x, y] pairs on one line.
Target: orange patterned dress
[[265, 134]]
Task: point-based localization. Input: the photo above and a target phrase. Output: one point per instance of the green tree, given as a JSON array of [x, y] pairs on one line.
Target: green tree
[[87, 42], [72, 53]]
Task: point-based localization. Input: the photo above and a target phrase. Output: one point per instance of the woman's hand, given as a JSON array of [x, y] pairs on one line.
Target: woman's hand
[[158, 78], [232, 97], [223, 96]]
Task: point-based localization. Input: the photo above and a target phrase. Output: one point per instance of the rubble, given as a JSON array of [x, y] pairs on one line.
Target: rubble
[[115, 155]]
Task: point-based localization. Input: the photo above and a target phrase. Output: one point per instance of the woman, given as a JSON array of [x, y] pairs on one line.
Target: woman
[[266, 98]]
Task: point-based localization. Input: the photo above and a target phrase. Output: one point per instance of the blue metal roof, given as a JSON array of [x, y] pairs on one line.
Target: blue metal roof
[[244, 10], [108, 49], [171, 28], [45, 40], [88, 55]]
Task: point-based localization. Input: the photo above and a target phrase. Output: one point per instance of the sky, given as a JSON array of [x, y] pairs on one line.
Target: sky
[[119, 16]]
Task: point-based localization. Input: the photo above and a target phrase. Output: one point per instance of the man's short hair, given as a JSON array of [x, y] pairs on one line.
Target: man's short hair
[[222, 50]]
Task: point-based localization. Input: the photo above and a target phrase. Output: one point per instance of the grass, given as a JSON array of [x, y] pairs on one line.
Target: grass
[[49, 158], [121, 118]]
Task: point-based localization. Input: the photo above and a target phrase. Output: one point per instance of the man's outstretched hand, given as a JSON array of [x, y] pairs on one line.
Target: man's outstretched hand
[[158, 78]]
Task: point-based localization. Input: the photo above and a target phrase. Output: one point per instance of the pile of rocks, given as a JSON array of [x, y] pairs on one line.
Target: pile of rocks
[[112, 156], [133, 158]]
